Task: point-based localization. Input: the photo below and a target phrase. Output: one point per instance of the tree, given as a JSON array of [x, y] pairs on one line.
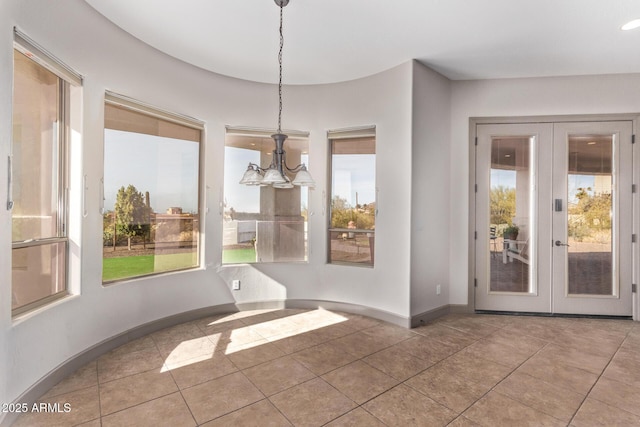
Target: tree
[[132, 213], [342, 213], [503, 204]]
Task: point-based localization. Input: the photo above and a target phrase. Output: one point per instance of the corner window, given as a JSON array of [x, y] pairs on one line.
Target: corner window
[[151, 220], [39, 176], [353, 197], [262, 223]]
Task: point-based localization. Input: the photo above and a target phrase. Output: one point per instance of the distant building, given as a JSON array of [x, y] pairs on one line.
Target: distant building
[[174, 211]]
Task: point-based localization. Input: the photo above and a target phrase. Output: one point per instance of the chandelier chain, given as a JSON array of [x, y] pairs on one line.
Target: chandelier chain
[[280, 74]]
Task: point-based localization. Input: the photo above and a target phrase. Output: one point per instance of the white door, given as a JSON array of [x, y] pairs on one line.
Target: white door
[[556, 185], [592, 221]]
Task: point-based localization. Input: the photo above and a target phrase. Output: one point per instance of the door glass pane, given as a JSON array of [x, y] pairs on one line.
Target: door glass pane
[[510, 219], [590, 215]]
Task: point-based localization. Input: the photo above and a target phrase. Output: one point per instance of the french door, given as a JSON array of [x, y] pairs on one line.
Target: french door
[[554, 217]]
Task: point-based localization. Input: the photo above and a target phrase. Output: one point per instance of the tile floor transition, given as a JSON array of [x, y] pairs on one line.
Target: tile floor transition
[[317, 367]]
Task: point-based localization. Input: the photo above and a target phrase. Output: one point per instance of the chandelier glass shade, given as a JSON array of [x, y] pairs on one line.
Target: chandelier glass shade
[[276, 174]]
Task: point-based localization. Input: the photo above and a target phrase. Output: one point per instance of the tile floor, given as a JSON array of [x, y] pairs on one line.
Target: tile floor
[[317, 367]]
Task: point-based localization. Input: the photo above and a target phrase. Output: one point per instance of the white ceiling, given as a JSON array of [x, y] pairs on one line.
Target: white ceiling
[[331, 40]]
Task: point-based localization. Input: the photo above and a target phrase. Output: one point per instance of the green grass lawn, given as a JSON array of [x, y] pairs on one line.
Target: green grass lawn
[[238, 256], [132, 266]]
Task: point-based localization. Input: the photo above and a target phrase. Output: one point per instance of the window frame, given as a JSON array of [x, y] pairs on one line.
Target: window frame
[[67, 78], [344, 134], [138, 107]]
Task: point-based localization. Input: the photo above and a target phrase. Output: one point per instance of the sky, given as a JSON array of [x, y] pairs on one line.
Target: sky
[[507, 178], [246, 198], [165, 167], [352, 174]]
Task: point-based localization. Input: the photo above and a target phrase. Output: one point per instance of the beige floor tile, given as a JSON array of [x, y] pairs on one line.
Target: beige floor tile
[[360, 382], [463, 421], [523, 342], [360, 344], [473, 326], [391, 334], [142, 343], [85, 377], [447, 365], [597, 344], [428, 349], [178, 333], [237, 337], [596, 413], [403, 406], [446, 334], [82, 406], [112, 366], [220, 326], [357, 322], [169, 411], [356, 418], [495, 409], [316, 319], [260, 414], [135, 389], [293, 343], [397, 363], [452, 391], [617, 394], [253, 356], [312, 403], [561, 375], [497, 352], [276, 327], [220, 396], [323, 358], [548, 398], [278, 375], [529, 327], [475, 369], [175, 352], [92, 423], [188, 373], [580, 359], [331, 332]]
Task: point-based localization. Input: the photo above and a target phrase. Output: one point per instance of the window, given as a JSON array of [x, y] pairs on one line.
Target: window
[[39, 175], [353, 196], [262, 224], [151, 220]]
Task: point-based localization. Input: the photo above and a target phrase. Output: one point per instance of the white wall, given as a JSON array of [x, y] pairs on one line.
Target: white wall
[[110, 59], [518, 97], [430, 190]]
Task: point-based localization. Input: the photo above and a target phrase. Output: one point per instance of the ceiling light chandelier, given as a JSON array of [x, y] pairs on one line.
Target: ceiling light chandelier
[[276, 174]]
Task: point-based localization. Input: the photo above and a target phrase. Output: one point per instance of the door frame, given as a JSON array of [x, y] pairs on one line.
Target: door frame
[[474, 121]]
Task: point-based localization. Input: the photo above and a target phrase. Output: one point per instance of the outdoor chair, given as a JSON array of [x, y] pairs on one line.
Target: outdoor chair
[[516, 249]]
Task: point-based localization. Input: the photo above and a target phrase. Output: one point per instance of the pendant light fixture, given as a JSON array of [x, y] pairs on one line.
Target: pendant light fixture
[[276, 174]]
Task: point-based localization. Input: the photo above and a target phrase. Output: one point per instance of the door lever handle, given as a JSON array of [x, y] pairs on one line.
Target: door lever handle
[[559, 243]]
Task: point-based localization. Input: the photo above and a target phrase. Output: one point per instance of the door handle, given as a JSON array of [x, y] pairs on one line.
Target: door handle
[[559, 243]]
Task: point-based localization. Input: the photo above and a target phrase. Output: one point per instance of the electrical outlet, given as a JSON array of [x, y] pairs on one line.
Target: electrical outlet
[[235, 285], [438, 289]]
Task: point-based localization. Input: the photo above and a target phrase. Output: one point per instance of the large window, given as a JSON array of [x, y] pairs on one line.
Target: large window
[[262, 224], [353, 196], [38, 187], [151, 220]]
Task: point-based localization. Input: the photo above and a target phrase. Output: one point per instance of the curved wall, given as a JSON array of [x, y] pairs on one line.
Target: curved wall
[[35, 344]]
